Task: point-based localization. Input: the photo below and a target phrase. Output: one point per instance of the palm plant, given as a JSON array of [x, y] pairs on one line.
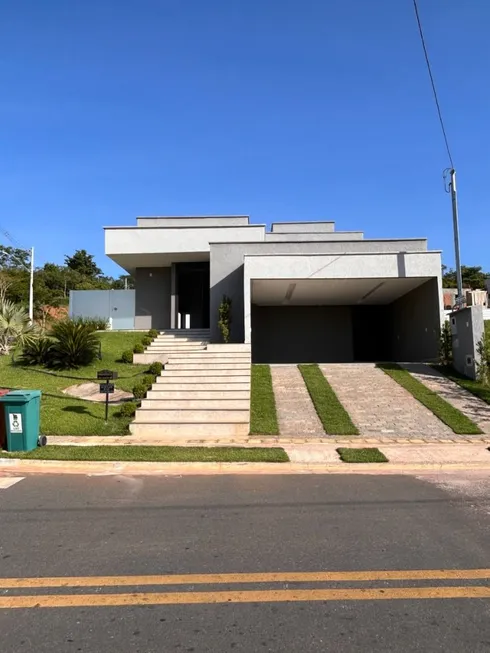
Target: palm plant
[[16, 329], [74, 345]]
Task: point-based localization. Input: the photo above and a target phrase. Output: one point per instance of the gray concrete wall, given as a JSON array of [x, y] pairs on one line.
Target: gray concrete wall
[[467, 328], [305, 237], [227, 269], [193, 221], [416, 319], [301, 334], [302, 227], [152, 286]]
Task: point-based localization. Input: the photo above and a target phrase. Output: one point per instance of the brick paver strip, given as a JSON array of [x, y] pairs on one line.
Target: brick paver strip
[[379, 406], [295, 412], [473, 407]]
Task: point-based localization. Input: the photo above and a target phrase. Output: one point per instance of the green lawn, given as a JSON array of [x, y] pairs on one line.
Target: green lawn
[[263, 416], [332, 414], [156, 454], [454, 418], [63, 415], [368, 455]]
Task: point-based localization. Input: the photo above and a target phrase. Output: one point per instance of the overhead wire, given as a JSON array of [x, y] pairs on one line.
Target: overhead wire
[[434, 91]]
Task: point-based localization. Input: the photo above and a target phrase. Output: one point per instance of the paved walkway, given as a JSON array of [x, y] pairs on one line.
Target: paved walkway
[[295, 410], [378, 405], [476, 409]]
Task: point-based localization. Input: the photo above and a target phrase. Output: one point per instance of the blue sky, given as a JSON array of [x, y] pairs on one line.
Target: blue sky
[[280, 109]]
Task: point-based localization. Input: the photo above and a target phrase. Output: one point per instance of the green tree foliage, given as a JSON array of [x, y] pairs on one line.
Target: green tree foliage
[[83, 263], [52, 283], [14, 258], [473, 277]]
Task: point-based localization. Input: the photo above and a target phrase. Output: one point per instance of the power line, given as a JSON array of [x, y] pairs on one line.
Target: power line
[[427, 61]]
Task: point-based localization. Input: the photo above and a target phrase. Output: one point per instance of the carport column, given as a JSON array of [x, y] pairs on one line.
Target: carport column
[[247, 308], [174, 299]]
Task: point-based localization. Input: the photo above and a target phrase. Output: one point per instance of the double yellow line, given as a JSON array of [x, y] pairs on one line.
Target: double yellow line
[[283, 594]]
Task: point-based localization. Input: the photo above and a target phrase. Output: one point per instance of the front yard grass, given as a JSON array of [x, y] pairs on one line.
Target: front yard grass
[[368, 455], [155, 454], [64, 415], [333, 416], [454, 418], [263, 415]]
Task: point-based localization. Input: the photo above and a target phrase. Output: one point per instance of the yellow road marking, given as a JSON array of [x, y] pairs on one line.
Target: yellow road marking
[[259, 596], [280, 577]]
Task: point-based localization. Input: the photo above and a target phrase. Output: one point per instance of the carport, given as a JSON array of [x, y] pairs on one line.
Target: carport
[[319, 315]]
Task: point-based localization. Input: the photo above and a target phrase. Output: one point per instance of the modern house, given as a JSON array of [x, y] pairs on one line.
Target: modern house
[[301, 292]]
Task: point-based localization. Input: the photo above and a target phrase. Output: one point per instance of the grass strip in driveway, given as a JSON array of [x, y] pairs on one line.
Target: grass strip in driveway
[[155, 454], [367, 455], [263, 415], [454, 418], [333, 416], [475, 387]]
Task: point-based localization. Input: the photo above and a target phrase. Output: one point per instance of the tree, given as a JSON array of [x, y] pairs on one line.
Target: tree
[[125, 281], [473, 277], [83, 263], [14, 258]]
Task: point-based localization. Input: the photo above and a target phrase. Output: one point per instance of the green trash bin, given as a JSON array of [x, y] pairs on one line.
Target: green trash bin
[[21, 410]]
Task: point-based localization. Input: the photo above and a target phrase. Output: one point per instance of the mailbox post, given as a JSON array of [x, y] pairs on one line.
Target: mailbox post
[[107, 388]]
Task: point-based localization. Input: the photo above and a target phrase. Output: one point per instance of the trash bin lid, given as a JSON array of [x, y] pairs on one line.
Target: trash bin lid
[[20, 396]]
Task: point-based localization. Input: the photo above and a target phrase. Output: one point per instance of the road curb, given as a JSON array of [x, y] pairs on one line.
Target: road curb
[[94, 468]]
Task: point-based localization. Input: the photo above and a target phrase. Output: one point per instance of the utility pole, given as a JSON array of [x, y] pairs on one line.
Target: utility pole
[[31, 289], [454, 200]]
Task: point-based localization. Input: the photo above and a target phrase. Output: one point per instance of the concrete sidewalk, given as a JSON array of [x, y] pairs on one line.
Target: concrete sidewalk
[[304, 459], [263, 440]]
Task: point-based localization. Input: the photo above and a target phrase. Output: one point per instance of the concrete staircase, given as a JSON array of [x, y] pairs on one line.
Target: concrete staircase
[[203, 392], [176, 341]]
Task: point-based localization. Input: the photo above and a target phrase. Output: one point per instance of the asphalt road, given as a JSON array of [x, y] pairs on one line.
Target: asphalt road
[[133, 528]]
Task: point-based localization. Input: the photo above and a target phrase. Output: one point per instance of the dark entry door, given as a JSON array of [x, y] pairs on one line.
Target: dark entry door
[[193, 292], [372, 333]]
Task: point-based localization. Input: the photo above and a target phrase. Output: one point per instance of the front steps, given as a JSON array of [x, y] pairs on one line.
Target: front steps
[[200, 393], [173, 341]]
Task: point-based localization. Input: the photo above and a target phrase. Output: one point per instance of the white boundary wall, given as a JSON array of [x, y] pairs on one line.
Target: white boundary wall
[[116, 306]]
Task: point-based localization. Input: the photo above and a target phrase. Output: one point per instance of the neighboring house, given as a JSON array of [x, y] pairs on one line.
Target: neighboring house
[[303, 292]]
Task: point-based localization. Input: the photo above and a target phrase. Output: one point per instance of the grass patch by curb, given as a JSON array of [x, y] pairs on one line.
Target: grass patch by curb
[[454, 418], [333, 416], [155, 454], [263, 416], [368, 455], [475, 387]]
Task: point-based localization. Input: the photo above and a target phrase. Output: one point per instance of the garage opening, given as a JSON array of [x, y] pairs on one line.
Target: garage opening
[[344, 320]]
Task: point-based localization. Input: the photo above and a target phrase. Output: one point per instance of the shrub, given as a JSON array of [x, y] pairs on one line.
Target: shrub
[[153, 333], [140, 390], [224, 321], [127, 356], [73, 345], [483, 365], [138, 348], [37, 352], [148, 380], [155, 368], [446, 344], [94, 323], [147, 341], [128, 409]]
